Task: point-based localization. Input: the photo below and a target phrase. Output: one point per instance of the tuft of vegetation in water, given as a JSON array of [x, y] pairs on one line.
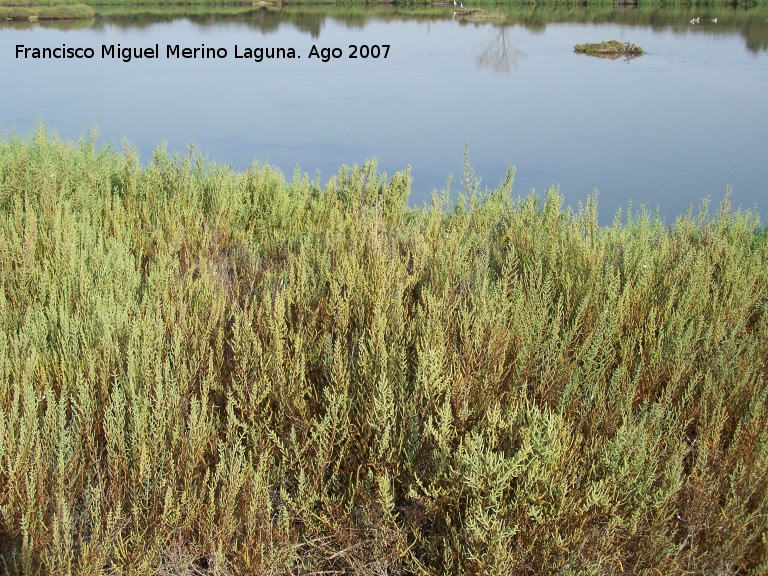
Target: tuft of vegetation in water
[[478, 15], [211, 372], [610, 49]]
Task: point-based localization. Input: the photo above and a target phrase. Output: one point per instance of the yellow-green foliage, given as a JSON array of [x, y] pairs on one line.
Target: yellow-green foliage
[[57, 12], [211, 372]]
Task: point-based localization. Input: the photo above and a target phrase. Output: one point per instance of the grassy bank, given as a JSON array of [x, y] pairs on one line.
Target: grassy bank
[[211, 372], [58, 12]]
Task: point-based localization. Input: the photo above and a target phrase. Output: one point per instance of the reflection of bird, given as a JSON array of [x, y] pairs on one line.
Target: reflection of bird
[[695, 20]]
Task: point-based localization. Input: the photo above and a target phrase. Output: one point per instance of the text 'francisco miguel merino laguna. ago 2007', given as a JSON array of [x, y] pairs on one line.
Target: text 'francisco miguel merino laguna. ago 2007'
[[176, 51]]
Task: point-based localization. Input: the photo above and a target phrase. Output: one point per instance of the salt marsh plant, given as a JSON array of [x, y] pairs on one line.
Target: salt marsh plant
[[212, 372]]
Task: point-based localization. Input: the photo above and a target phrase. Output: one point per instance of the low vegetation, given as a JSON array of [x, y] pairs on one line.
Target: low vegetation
[[57, 12], [211, 372], [610, 49], [478, 15]]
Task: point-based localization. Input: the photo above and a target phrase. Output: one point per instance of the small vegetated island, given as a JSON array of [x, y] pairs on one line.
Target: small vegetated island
[[611, 49]]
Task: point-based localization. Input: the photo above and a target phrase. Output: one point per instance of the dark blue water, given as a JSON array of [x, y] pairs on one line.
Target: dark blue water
[[686, 120]]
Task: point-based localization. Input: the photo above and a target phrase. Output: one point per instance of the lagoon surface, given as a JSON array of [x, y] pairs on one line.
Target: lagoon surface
[[686, 120]]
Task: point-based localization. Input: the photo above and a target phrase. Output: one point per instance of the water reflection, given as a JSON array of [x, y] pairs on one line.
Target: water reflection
[[50, 24], [749, 23], [499, 53]]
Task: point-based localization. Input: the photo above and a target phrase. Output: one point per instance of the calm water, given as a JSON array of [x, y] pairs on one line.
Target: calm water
[[686, 120]]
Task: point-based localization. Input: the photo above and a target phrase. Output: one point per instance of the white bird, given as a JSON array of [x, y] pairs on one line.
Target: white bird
[[714, 20]]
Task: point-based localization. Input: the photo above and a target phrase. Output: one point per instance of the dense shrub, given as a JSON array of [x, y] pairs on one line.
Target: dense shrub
[[15, 13], [205, 371]]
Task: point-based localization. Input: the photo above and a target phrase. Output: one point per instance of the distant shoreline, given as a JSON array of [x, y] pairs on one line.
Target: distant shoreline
[[37, 13]]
